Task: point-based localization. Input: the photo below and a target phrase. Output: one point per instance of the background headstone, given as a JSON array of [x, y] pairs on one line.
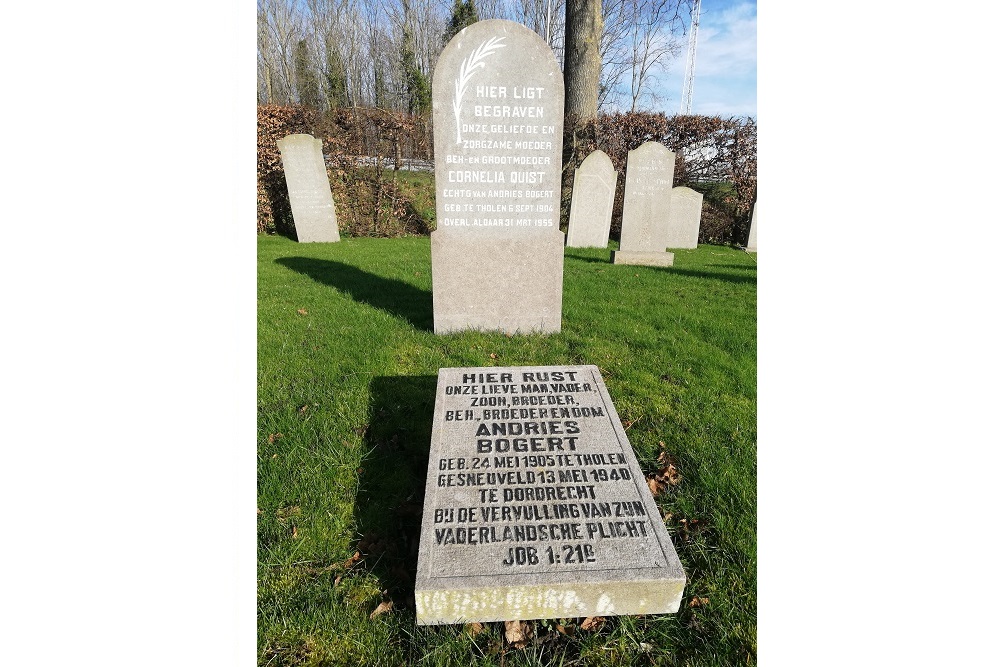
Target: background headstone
[[685, 218], [535, 505], [308, 189], [649, 176], [752, 239], [497, 252], [594, 185]]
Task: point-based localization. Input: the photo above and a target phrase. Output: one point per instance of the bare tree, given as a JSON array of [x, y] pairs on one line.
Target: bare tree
[[279, 28], [640, 38]]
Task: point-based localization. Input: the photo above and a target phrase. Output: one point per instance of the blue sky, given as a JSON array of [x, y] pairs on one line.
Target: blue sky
[[725, 75]]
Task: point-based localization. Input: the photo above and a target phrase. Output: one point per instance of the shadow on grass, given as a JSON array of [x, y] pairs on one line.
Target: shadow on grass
[[390, 496], [727, 277], [584, 258], [745, 267], [393, 296]]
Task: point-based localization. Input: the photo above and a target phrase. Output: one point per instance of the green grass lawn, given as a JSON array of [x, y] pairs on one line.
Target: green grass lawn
[[347, 366]]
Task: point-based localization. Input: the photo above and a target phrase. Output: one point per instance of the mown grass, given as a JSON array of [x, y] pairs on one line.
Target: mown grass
[[347, 365]]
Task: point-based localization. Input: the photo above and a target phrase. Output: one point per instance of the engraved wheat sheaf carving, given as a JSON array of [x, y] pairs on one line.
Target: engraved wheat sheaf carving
[[465, 72]]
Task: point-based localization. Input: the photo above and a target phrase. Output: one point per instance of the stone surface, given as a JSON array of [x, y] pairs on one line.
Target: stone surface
[[642, 258], [649, 175], [752, 240], [308, 189], [594, 185], [685, 218], [497, 252], [535, 505]]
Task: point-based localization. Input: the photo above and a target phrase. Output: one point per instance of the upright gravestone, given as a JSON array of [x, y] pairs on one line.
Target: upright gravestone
[[535, 505], [685, 218], [649, 175], [752, 240], [594, 186], [308, 188], [497, 252]]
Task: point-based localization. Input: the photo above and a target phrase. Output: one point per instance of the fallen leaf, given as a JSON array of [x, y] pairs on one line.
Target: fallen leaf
[[492, 355], [303, 311], [474, 628], [274, 436], [352, 560], [698, 602], [336, 582], [295, 532], [274, 456], [654, 485], [304, 408], [592, 623], [259, 511], [381, 609], [517, 633]]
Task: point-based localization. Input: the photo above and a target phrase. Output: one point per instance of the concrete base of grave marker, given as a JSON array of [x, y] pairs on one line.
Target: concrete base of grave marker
[[536, 506], [642, 257]]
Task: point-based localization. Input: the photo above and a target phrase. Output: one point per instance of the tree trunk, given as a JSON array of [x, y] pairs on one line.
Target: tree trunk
[[582, 69]]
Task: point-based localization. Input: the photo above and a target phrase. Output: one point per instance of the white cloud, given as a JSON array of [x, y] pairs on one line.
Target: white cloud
[[725, 82], [727, 41]]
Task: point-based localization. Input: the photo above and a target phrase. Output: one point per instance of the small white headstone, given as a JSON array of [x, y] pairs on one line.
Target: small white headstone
[[594, 187], [752, 240], [685, 218], [649, 175], [308, 189]]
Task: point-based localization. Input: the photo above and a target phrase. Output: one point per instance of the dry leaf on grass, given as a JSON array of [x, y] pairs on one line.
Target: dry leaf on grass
[[517, 633], [474, 628], [302, 311], [352, 560], [666, 476], [295, 532], [698, 602], [592, 623], [381, 609], [274, 436]]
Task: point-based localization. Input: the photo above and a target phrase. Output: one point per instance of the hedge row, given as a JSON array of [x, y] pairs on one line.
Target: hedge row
[[716, 156]]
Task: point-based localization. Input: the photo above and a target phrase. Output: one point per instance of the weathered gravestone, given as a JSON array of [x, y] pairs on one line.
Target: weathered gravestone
[[308, 188], [649, 175], [535, 505], [497, 252], [685, 218], [594, 185], [752, 239]]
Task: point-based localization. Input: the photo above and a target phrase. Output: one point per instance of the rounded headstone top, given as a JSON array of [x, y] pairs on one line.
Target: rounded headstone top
[[599, 159]]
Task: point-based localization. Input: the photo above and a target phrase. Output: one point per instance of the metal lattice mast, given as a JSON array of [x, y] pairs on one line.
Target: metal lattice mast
[[689, 71]]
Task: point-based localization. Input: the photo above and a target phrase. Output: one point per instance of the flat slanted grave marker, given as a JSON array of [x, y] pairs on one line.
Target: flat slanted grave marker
[[535, 505]]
